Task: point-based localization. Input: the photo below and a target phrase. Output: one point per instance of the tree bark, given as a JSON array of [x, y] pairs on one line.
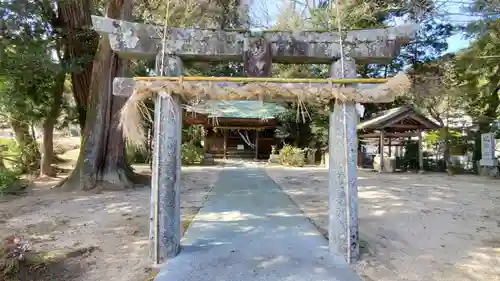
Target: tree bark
[[446, 148], [47, 147], [80, 42], [102, 155]]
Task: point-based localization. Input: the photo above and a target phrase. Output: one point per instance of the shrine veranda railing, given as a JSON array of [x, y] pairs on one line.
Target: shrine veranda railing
[[258, 51]]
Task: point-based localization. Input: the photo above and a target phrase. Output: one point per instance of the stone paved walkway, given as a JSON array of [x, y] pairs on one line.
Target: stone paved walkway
[[249, 230]]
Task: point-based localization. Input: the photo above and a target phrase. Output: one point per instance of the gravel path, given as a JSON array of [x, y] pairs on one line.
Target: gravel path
[[413, 227], [114, 225]]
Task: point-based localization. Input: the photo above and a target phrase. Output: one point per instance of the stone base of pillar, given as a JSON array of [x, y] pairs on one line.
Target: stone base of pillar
[[488, 171]]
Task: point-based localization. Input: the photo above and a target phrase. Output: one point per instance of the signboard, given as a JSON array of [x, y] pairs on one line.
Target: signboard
[[240, 147], [488, 146]]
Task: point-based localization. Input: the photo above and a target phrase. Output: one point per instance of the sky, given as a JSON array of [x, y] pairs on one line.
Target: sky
[[457, 42], [268, 13]]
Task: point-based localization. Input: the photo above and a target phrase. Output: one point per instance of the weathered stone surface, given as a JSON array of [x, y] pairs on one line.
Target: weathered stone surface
[[165, 180], [343, 190], [257, 58], [135, 40]]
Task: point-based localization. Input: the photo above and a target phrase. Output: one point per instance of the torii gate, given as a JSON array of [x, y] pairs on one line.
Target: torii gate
[[257, 50]]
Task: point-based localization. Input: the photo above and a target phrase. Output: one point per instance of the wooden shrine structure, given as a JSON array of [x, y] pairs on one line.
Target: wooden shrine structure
[[397, 124], [236, 129], [257, 50]]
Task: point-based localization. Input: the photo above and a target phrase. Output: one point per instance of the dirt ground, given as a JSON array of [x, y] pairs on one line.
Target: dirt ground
[[109, 230], [430, 227]]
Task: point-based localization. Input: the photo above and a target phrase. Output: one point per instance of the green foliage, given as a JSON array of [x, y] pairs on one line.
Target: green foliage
[[9, 146], [10, 181], [411, 151], [295, 125], [430, 43], [306, 125], [25, 87], [292, 156], [191, 154], [191, 151], [12, 156], [10, 172], [479, 76], [27, 70], [436, 137], [192, 133], [220, 14]]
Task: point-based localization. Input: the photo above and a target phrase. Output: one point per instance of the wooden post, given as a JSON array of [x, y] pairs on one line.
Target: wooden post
[[256, 144], [381, 151], [390, 146], [342, 186], [165, 180], [225, 142], [420, 152]]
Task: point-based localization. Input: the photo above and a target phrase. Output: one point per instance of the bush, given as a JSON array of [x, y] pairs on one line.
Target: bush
[[24, 159], [291, 156], [9, 146], [191, 154], [10, 181], [10, 176]]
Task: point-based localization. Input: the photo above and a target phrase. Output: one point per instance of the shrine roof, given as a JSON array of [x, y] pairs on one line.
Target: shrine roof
[[237, 109], [401, 118]]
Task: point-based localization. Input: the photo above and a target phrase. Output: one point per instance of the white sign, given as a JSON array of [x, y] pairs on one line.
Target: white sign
[[488, 146], [240, 147]]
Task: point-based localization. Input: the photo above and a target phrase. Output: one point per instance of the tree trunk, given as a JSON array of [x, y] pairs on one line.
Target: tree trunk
[[80, 42], [448, 165], [47, 147], [102, 155]]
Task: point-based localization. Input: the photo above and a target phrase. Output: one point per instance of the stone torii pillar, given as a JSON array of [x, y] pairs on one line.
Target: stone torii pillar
[[165, 218], [141, 41], [343, 157]]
